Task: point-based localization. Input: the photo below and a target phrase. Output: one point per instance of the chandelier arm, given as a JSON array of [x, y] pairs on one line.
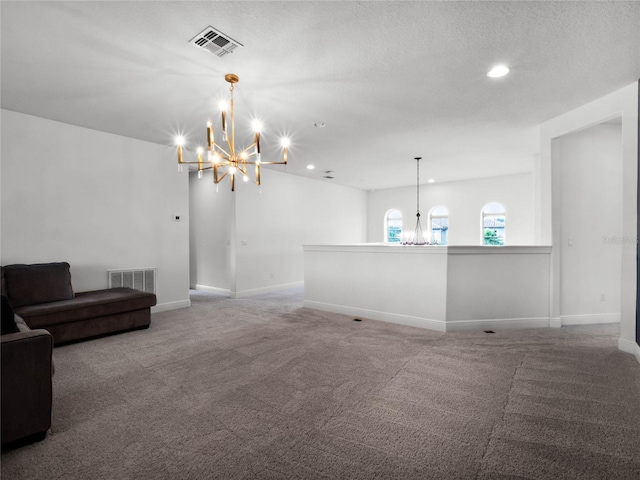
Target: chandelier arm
[[192, 163], [273, 163], [222, 177], [230, 145], [246, 151], [215, 145]]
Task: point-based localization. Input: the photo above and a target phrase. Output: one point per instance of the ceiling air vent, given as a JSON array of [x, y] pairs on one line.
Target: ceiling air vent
[[215, 42]]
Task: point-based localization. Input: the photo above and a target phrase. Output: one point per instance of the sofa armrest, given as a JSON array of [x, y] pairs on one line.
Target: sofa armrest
[[26, 389]]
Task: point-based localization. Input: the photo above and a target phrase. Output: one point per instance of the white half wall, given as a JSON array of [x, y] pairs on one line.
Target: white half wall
[[96, 200], [436, 287], [464, 199]]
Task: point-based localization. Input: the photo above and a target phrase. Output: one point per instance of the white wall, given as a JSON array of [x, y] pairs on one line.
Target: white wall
[[590, 209], [95, 200], [266, 228], [622, 103], [464, 200]]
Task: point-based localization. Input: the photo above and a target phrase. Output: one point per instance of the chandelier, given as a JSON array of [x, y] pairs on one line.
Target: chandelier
[[416, 237], [229, 161]]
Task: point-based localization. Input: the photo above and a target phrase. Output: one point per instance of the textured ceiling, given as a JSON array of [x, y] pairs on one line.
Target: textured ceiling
[[392, 80]]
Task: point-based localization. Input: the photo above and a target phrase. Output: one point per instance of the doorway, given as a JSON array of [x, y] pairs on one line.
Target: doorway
[[587, 204]]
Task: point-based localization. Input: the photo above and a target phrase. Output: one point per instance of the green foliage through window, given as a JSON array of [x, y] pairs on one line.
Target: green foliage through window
[[491, 237], [394, 234]]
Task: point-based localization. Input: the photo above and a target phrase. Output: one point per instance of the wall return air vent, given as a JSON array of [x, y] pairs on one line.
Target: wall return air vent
[[215, 42], [143, 279]]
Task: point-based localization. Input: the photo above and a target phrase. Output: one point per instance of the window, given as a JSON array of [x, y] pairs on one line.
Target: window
[[493, 223], [439, 226], [392, 226]]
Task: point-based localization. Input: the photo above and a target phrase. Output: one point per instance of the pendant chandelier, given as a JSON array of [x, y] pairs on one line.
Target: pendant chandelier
[[229, 161], [417, 236]]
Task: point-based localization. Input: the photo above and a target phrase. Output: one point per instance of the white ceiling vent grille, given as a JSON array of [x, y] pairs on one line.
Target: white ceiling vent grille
[[215, 42]]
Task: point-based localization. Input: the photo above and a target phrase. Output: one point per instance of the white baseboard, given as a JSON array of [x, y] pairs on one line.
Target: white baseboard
[[206, 288], [270, 288], [590, 319], [429, 323], [555, 322], [407, 320], [629, 346], [165, 307], [497, 324]]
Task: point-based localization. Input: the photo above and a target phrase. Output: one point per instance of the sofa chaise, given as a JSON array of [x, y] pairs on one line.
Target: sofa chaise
[[43, 296]]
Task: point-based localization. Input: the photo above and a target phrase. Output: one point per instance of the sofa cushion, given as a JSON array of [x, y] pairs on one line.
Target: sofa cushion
[[86, 305], [37, 283], [8, 322]]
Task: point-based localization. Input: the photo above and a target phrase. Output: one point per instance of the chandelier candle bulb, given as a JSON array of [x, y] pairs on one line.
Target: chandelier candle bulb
[[210, 141], [200, 152], [179, 153]]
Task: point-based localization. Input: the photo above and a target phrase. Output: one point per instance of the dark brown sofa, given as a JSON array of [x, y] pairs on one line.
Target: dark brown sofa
[[27, 366], [43, 296], [26, 386]]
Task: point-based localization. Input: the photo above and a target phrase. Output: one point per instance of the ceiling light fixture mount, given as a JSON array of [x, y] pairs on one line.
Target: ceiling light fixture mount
[[230, 162]]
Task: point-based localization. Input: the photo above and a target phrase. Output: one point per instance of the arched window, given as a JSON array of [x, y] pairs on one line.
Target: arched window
[[392, 226], [493, 223], [438, 226]]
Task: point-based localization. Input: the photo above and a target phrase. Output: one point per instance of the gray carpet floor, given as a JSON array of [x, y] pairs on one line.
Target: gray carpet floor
[[262, 388]]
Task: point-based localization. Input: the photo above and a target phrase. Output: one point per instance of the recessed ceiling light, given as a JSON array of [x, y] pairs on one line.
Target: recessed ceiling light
[[320, 124], [310, 167], [498, 71], [431, 180]]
